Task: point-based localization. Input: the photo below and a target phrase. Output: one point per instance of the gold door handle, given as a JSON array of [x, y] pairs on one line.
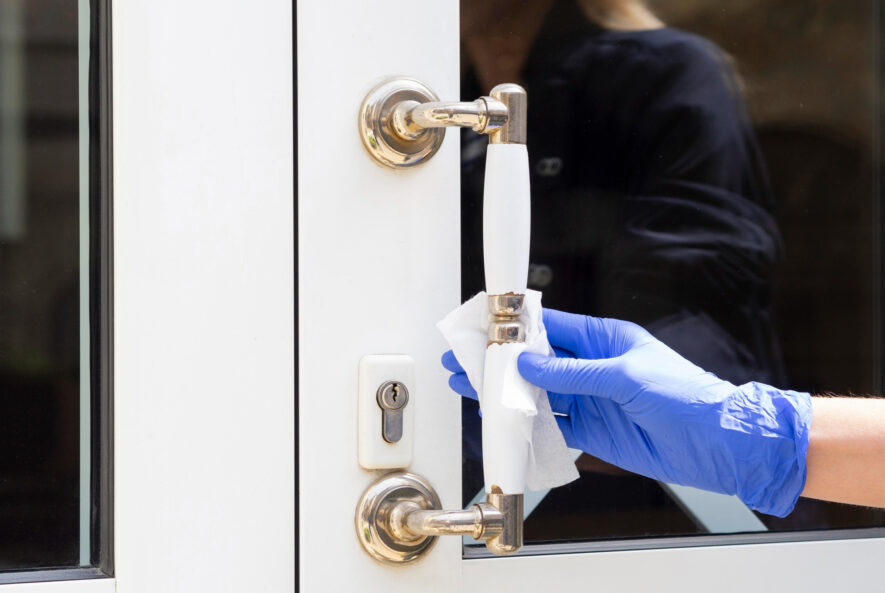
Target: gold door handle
[[401, 120], [399, 518]]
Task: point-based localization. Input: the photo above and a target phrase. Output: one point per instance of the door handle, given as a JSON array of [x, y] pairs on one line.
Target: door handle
[[401, 120]]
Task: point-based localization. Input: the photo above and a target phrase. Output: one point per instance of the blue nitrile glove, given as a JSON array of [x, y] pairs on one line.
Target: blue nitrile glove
[[632, 401]]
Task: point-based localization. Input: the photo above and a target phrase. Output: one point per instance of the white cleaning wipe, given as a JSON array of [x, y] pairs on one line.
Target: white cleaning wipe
[[465, 329]]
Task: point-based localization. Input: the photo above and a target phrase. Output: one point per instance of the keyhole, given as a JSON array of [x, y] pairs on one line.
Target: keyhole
[[395, 393]]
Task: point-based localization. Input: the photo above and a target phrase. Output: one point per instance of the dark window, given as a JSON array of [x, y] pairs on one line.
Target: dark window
[[772, 107], [53, 285]]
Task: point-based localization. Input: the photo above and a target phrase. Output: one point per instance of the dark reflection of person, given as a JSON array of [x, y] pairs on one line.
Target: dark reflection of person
[[650, 200]]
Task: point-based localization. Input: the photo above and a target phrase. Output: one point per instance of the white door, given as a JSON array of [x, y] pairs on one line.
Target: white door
[[379, 263]]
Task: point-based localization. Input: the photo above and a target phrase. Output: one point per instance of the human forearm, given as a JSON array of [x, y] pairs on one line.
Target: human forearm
[[846, 451]]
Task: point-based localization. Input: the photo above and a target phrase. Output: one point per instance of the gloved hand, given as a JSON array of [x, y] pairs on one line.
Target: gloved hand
[[625, 397]]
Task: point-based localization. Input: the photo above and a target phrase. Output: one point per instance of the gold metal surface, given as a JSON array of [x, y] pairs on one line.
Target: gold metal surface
[[419, 522], [504, 324], [399, 518], [507, 305], [400, 120], [375, 509], [504, 330], [510, 506], [402, 123], [376, 124], [484, 115], [515, 100]]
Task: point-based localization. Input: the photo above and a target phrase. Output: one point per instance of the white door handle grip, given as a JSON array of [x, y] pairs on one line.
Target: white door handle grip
[[506, 432], [505, 448], [506, 219]]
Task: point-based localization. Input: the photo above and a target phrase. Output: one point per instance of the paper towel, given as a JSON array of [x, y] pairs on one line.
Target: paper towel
[[465, 329]]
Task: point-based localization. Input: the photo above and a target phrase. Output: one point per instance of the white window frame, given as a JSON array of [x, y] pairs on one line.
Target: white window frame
[[203, 273]]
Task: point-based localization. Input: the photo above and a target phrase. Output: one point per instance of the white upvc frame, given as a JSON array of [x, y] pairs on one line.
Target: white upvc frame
[[203, 300], [204, 296], [801, 567], [84, 586]]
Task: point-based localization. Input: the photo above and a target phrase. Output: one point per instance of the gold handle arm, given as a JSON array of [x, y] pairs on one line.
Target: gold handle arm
[[399, 517], [410, 119], [400, 120], [482, 521]]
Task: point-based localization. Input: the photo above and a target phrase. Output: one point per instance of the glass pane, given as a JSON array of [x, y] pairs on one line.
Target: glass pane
[[45, 327], [770, 109]]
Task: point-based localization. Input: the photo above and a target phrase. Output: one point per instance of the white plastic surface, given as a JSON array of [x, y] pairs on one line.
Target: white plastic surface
[[204, 329], [374, 451], [506, 233], [506, 432], [506, 219], [853, 566], [378, 265], [80, 586]]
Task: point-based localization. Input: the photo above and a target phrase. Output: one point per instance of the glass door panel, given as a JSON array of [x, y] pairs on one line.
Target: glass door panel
[[51, 217], [712, 174]]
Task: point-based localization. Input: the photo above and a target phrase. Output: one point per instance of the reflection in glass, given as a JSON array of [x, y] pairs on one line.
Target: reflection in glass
[[44, 284], [711, 178]]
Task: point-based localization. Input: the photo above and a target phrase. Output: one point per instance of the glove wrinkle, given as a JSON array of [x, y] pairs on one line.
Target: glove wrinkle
[[668, 419], [634, 402]]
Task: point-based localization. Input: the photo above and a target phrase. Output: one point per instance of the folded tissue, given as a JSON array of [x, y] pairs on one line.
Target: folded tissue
[[465, 329]]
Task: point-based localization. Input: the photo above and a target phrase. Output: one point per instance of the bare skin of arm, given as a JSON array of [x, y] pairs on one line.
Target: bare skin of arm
[[846, 451]]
